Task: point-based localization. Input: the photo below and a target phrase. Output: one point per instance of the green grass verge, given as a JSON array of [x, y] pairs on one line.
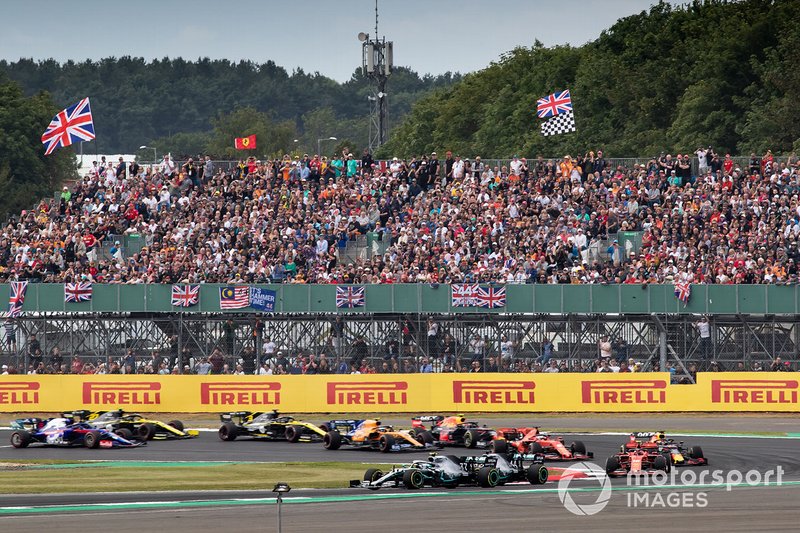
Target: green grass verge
[[15, 479]]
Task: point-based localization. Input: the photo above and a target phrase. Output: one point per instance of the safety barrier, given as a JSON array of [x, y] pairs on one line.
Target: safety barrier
[[423, 393]]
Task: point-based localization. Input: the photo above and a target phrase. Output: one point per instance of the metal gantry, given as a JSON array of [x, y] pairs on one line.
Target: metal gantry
[[648, 339]]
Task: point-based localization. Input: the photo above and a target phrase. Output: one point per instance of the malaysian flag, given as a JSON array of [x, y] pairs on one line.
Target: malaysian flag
[[554, 104], [186, 295], [73, 124], [16, 297], [350, 297], [491, 297], [464, 294], [77, 292], [683, 290], [234, 297]]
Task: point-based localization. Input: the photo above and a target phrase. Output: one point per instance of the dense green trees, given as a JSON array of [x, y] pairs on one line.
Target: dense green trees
[[26, 174], [716, 72], [173, 103]]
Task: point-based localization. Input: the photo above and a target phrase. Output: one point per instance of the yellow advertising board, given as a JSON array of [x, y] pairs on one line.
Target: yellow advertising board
[[412, 393]]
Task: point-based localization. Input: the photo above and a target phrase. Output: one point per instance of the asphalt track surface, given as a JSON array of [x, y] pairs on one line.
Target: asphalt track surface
[[513, 508]]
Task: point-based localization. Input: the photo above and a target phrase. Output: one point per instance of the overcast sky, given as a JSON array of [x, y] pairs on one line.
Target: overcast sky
[[430, 36]]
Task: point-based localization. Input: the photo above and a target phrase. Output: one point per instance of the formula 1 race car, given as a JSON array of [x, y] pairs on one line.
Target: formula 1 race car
[[531, 440], [678, 453], [450, 471], [371, 434], [65, 432], [637, 459], [133, 425], [267, 425], [453, 431]]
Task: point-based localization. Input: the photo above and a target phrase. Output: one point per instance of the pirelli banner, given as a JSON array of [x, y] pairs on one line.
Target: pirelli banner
[[412, 393]]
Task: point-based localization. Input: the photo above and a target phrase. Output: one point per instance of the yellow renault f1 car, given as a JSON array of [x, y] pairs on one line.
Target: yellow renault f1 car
[[134, 425], [269, 425]]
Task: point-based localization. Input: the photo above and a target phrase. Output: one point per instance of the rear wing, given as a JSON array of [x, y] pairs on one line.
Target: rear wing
[[427, 418], [79, 414], [238, 415]]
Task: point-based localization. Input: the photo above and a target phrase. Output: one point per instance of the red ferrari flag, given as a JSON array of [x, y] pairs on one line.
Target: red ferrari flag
[[245, 143]]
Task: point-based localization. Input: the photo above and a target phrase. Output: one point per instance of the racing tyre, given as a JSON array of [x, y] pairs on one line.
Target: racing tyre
[[500, 446], [488, 477], [386, 443], [293, 433], [146, 431], [578, 447], [92, 439], [20, 439], [332, 440], [471, 438], [412, 478], [177, 424], [696, 452], [661, 463], [424, 437], [325, 427], [228, 431], [373, 474], [535, 447], [537, 474], [124, 433], [612, 465]]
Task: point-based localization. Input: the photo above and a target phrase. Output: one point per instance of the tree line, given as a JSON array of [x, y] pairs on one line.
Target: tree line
[[715, 72]]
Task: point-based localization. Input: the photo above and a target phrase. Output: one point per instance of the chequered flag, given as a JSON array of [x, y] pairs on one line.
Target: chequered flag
[[562, 123]]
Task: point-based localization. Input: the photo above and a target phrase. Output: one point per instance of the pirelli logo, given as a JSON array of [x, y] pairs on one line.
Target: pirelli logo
[[122, 393], [622, 392], [760, 391], [493, 392], [240, 393], [367, 393], [19, 392]]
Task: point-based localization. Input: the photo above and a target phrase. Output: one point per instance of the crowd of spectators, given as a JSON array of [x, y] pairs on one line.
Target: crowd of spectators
[[449, 220]]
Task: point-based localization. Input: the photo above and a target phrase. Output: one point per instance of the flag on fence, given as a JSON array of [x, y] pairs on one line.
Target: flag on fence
[[561, 123], [234, 297], [554, 104], [245, 143], [185, 295], [262, 299], [77, 292], [350, 297], [464, 294], [16, 297], [491, 297], [683, 290], [73, 124]]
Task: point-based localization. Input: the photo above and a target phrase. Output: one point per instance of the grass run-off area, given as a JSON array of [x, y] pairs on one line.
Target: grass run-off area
[[30, 477]]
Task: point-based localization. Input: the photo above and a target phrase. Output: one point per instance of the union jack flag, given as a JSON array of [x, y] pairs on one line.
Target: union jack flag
[[185, 295], [77, 292], [464, 294], [553, 104], [350, 297], [16, 297], [683, 291], [73, 124], [491, 297]]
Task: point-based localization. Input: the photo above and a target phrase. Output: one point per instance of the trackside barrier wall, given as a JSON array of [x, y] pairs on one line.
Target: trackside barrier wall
[[426, 298], [427, 393]]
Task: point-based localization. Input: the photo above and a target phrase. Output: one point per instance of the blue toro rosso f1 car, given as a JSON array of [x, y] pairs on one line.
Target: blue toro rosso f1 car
[[65, 432]]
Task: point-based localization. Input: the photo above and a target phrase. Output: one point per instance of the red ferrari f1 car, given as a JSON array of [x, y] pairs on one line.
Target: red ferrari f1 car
[[678, 453], [531, 440], [638, 458]]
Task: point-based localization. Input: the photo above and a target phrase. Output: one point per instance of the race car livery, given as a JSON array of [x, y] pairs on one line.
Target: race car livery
[[678, 453], [269, 425], [65, 431], [532, 440], [450, 471], [372, 435], [636, 458], [453, 430], [133, 425]]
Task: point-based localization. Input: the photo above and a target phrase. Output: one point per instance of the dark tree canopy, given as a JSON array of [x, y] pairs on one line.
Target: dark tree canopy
[[714, 73]]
